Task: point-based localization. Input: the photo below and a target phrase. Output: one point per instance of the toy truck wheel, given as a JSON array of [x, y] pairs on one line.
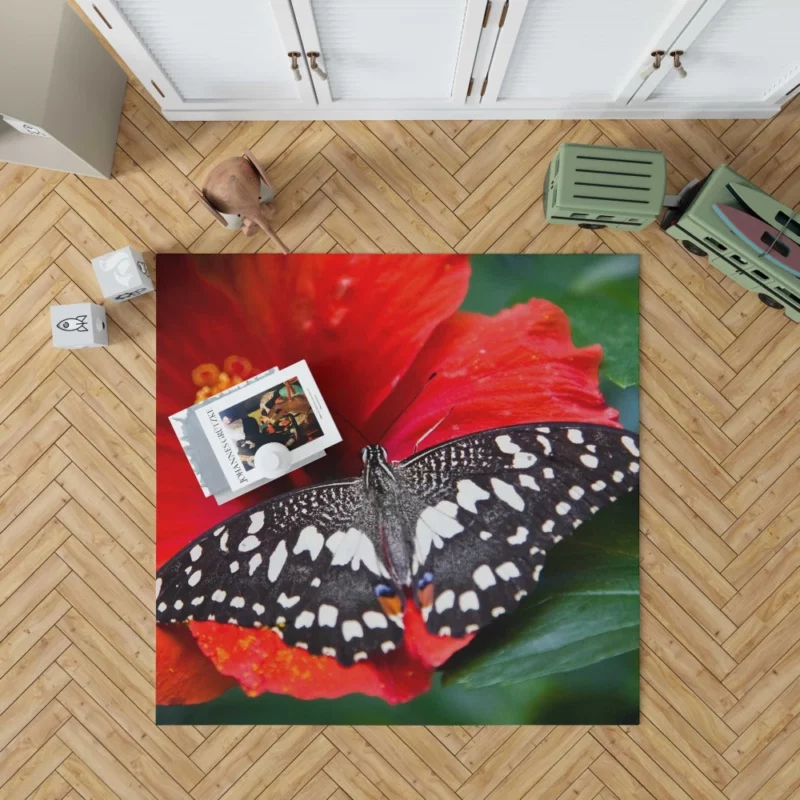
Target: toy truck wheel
[[693, 248], [769, 301], [592, 226]]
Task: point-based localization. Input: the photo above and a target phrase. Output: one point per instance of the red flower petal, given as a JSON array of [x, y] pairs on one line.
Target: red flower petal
[[261, 662], [359, 320], [183, 674], [518, 366]]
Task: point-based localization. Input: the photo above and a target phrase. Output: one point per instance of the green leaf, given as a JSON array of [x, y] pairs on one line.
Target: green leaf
[[585, 610]]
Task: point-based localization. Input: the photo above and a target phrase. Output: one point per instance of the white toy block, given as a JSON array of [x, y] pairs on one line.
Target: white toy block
[[78, 325], [122, 274]]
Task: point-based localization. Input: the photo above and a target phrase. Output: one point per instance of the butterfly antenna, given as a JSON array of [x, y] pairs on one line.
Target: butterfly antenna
[[350, 424], [407, 405], [431, 430]]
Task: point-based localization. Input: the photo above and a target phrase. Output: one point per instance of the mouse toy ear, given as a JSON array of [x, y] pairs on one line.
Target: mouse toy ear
[[213, 211], [257, 167]]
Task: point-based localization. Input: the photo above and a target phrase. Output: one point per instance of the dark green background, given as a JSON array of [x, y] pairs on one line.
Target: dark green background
[[570, 654]]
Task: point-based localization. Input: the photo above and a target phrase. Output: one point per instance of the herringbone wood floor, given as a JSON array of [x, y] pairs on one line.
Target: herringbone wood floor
[[720, 487]]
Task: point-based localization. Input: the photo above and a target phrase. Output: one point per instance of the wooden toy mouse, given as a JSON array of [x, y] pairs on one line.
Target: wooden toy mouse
[[237, 192]]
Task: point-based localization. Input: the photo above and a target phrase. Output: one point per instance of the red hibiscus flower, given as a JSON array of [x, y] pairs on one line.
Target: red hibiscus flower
[[373, 329]]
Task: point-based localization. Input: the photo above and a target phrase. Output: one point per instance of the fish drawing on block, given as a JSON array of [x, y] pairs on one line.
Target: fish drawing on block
[[74, 324]]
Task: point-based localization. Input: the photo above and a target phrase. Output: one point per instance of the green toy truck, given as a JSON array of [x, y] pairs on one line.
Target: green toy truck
[[605, 187]]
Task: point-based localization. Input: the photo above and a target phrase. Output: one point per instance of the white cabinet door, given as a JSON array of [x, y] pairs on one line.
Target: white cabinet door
[[579, 54], [206, 54], [735, 51], [390, 54]]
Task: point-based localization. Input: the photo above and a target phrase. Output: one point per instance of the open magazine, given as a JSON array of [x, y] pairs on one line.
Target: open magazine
[[222, 435]]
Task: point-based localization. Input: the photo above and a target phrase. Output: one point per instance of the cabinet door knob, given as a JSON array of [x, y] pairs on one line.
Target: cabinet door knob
[[657, 56], [676, 60], [295, 66], [312, 57]]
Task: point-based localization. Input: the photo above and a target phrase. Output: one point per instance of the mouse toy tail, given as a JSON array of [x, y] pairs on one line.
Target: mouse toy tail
[[263, 223]]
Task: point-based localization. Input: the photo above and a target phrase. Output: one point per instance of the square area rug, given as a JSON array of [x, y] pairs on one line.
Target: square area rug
[[467, 554]]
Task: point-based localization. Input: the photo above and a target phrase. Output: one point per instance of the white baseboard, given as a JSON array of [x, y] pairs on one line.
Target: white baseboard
[[754, 111]]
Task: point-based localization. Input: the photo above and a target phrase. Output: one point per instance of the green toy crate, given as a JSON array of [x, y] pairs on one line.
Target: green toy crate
[[695, 224], [605, 187]]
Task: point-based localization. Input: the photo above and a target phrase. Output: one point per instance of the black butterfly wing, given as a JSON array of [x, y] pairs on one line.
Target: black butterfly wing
[[495, 502], [306, 564]]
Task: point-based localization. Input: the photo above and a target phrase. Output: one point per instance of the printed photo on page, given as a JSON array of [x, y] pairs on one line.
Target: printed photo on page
[[285, 407]]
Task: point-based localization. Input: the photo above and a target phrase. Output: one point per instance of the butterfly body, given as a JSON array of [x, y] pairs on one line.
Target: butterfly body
[[461, 528]]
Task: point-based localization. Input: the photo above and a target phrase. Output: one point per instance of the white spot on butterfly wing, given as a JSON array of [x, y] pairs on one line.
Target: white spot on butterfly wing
[[506, 445], [374, 619], [196, 552], [575, 436], [359, 656], [508, 494], [276, 561], [233, 566], [223, 542], [353, 548], [497, 611], [545, 443], [485, 535], [197, 600], [286, 601], [519, 537], [254, 563], [237, 602], [351, 629], [630, 446], [256, 522], [484, 577], [529, 482], [468, 601], [162, 606], [218, 596], [194, 578], [258, 608], [178, 605], [444, 601], [598, 486], [387, 646], [249, 543], [523, 460], [507, 570], [305, 619], [576, 492], [633, 467], [469, 493], [310, 540], [563, 508], [548, 525], [328, 615], [589, 461], [158, 586], [617, 476]]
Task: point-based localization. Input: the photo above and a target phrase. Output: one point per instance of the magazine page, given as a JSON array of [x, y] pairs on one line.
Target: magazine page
[[284, 407]]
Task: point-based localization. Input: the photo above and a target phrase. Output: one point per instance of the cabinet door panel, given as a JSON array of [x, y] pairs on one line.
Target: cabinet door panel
[[580, 52], [391, 51], [208, 54], [748, 51]]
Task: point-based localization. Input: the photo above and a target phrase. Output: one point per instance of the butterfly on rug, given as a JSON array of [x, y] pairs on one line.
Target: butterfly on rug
[[464, 526]]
